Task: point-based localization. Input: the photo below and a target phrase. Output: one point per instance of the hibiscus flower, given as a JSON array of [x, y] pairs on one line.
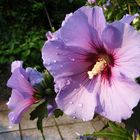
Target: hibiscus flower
[[22, 82], [94, 64]]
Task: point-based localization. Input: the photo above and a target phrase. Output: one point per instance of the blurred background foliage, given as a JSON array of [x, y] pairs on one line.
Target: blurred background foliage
[[23, 24]]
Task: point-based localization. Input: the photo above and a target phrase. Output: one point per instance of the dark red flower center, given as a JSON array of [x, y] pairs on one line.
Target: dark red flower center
[[102, 64]]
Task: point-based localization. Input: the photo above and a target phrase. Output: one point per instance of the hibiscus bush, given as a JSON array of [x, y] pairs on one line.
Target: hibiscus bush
[[91, 62]]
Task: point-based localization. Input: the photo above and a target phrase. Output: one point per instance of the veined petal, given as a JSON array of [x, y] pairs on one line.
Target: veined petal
[[112, 37], [79, 98], [35, 77], [77, 32], [96, 19], [127, 61], [131, 37], [128, 18], [22, 106], [63, 61], [15, 98], [17, 81], [115, 102]]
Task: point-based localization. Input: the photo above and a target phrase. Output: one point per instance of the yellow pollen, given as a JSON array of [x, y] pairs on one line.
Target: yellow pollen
[[98, 68]]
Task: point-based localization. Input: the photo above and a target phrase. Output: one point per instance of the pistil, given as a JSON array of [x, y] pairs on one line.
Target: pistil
[[98, 68]]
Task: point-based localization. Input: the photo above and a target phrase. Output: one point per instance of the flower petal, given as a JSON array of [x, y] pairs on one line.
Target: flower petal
[[112, 37], [17, 81], [118, 98], [14, 99], [128, 18], [22, 106], [65, 61], [127, 61], [78, 97], [131, 37], [15, 65], [128, 56], [96, 19], [35, 77], [77, 31]]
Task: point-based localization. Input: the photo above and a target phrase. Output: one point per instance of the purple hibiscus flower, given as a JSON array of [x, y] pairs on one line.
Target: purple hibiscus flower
[[21, 82], [94, 64]]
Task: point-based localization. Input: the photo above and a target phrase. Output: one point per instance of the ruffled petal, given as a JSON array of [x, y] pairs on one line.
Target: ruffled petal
[[15, 65], [128, 18], [66, 18], [35, 77], [118, 98], [14, 99], [112, 37], [128, 56], [96, 19], [127, 61], [77, 97], [77, 32], [16, 114], [131, 37], [18, 81], [65, 61]]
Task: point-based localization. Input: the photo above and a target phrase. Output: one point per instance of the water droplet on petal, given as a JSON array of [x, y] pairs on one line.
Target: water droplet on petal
[[74, 117], [80, 105], [61, 66], [54, 61], [73, 59], [74, 112], [71, 102]]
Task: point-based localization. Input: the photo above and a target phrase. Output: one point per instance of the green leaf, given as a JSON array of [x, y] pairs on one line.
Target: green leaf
[[112, 135], [40, 113], [119, 129], [113, 132]]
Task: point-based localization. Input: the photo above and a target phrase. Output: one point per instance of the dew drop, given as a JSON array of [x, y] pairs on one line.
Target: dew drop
[[73, 59], [80, 105], [61, 66], [71, 102], [54, 61], [74, 117], [74, 112]]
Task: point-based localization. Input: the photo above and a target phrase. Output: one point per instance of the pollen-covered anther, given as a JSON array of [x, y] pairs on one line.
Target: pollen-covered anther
[[98, 68]]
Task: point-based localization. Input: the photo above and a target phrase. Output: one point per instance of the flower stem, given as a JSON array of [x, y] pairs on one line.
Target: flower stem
[[48, 17]]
